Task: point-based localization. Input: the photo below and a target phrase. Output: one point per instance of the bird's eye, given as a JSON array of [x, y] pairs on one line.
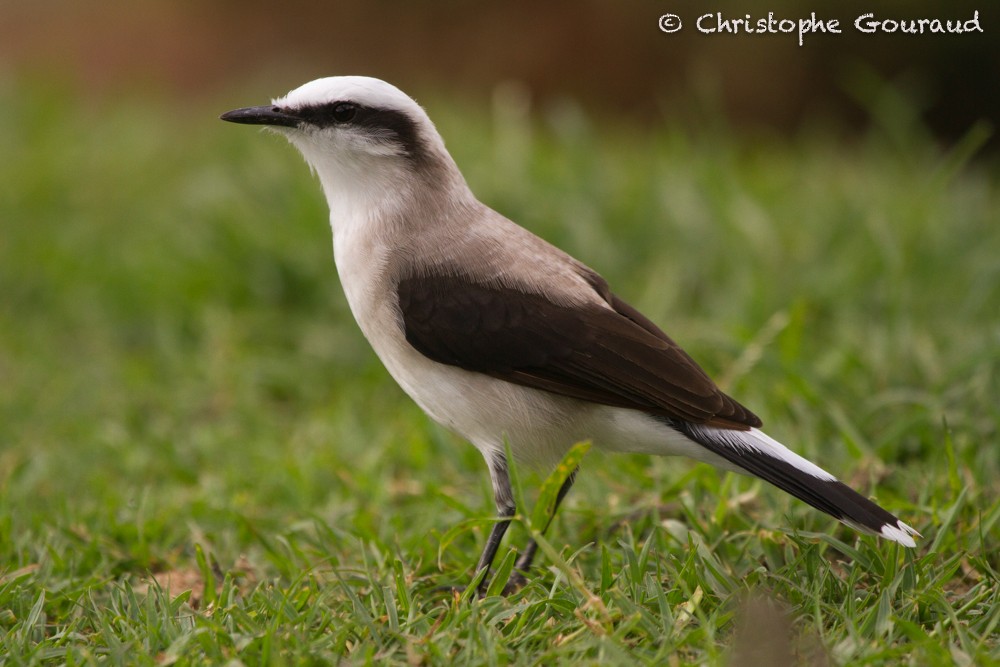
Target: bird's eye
[[344, 112]]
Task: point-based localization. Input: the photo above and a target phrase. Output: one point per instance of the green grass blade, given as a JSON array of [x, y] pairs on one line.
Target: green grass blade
[[544, 509]]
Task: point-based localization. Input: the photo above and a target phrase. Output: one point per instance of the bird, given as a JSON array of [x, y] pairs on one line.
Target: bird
[[500, 336]]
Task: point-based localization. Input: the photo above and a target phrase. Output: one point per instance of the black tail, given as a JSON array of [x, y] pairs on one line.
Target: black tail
[[762, 456]]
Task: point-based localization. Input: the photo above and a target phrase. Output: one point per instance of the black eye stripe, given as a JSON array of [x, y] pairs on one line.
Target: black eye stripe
[[388, 121], [324, 115], [388, 124]]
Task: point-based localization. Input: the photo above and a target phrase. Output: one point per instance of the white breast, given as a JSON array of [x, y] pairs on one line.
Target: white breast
[[477, 407]]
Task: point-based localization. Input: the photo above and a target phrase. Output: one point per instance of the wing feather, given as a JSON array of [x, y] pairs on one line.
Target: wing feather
[[610, 355]]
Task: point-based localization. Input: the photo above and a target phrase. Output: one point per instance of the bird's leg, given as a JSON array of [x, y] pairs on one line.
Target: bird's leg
[[503, 495], [523, 563]]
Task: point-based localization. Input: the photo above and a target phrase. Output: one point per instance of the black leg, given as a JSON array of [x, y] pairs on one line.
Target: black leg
[[523, 563], [503, 495]]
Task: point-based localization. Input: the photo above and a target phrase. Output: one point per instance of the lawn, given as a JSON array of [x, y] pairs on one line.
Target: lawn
[[202, 462]]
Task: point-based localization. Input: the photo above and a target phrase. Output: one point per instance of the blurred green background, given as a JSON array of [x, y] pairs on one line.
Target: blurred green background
[[609, 55]]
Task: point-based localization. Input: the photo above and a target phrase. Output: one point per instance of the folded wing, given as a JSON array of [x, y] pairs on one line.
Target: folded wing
[[608, 354]]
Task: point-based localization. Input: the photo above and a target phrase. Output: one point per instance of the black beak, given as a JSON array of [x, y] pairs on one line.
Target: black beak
[[266, 115]]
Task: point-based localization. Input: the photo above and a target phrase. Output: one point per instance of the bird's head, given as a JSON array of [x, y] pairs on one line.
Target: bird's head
[[359, 134]]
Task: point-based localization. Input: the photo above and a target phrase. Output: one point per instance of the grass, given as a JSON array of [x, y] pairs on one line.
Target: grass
[[202, 462]]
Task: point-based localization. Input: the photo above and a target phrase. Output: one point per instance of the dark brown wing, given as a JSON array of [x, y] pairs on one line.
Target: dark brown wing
[[613, 356]]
